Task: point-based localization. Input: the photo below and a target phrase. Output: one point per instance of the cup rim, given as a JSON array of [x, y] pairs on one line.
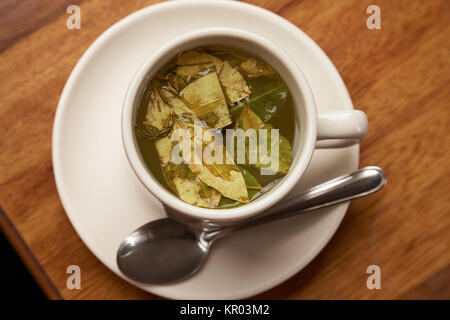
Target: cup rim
[[282, 188]]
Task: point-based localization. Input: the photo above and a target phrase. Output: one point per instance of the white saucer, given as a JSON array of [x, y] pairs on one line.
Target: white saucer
[[105, 201]]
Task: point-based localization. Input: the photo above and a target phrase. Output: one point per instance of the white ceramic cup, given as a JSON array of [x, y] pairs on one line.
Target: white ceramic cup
[[313, 130]]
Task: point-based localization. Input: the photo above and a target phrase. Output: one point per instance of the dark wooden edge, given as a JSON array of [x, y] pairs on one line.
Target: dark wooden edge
[[28, 258]]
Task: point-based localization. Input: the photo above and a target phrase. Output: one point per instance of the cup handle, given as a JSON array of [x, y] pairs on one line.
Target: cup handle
[[340, 129]]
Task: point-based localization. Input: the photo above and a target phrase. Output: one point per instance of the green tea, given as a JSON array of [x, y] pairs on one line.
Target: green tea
[[216, 94]]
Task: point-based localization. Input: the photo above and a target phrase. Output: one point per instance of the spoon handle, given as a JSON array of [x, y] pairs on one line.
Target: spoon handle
[[344, 188]]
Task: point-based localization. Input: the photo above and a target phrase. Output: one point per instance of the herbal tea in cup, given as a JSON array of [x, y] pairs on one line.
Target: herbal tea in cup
[[215, 127]]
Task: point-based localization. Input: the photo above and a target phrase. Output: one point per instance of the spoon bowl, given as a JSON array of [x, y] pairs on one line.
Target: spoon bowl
[[144, 254]]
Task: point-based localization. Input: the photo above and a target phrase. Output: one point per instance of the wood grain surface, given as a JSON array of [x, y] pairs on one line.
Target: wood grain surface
[[399, 75]]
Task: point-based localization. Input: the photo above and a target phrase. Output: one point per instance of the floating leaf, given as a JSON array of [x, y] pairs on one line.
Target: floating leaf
[[178, 106], [205, 97], [284, 152], [196, 64], [256, 68], [268, 95], [216, 168], [254, 190], [234, 84], [225, 176], [164, 149], [250, 180], [175, 82], [249, 120], [163, 104], [183, 181], [227, 203], [158, 120]]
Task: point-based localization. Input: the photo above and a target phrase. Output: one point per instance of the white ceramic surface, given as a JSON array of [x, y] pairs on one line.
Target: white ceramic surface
[[105, 201]]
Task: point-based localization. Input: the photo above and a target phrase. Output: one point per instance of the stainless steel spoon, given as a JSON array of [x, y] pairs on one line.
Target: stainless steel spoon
[[165, 250]]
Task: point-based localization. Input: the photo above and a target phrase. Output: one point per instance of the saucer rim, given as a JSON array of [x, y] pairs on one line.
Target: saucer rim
[[57, 129]]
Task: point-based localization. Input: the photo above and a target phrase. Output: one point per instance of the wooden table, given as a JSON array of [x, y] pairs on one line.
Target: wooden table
[[399, 75]]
